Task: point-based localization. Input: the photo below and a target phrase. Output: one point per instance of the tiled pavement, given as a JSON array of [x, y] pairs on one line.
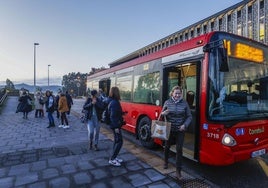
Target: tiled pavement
[[32, 155]]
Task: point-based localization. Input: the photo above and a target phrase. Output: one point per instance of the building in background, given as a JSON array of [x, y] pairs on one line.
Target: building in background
[[248, 18]]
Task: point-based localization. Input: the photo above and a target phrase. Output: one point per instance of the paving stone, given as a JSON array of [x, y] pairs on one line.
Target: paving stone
[[39, 165], [72, 159], [61, 182], [26, 178], [68, 168], [7, 182], [82, 178], [154, 175], [85, 165], [55, 162], [100, 185], [3, 172], [119, 181], [99, 173], [133, 166], [118, 171], [38, 185], [50, 173], [138, 179], [19, 169]]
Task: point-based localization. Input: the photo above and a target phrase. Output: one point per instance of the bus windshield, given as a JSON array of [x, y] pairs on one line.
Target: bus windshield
[[241, 92]]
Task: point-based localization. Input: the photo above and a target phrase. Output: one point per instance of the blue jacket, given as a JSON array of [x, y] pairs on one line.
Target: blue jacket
[[115, 111]]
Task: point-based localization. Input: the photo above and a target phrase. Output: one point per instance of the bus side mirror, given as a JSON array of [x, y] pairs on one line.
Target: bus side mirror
[[222, 59]]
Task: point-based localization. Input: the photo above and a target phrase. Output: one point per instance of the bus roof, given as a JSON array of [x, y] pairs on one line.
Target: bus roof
[[134, 58]]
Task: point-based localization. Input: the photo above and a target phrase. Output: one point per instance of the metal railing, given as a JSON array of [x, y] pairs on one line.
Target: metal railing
[[3, 96]]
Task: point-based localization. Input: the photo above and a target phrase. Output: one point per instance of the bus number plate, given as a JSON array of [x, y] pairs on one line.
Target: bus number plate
[[258, 153]]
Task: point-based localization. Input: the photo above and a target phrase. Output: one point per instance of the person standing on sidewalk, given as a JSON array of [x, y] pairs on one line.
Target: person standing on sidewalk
[[50, 108], [94, 108], [116, 122], [69, 101], [63, 109], [57, 97], [24, 104], [39, 104], [177, 111]]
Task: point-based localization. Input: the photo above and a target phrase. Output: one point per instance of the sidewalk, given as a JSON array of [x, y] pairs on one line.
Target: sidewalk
[[33, 156]]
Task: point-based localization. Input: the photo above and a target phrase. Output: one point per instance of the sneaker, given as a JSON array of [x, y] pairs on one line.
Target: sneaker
[[119, 160], [114, 162], [66, 126], [60, 126]]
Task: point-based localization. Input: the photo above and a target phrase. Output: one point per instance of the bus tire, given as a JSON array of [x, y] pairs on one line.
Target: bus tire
[[144, 133]]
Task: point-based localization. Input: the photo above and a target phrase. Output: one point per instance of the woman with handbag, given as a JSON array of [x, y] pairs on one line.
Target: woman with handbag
[[178, 113]]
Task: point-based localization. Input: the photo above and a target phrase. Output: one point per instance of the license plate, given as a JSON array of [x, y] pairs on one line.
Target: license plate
[[258, 153]]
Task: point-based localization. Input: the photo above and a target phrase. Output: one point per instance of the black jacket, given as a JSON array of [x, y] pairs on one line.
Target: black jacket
[[88, 106]]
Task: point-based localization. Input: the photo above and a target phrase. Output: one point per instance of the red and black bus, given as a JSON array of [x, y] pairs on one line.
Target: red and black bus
[[225, 82]]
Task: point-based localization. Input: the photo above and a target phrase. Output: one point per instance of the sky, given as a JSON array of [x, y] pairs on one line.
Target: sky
[[76, 35]]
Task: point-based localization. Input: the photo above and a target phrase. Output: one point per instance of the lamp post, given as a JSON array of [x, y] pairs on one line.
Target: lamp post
[[35, 44], [78, 84], [48, 74]]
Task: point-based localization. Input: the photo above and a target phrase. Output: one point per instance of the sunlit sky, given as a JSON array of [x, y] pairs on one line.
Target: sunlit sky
[[76, 35]]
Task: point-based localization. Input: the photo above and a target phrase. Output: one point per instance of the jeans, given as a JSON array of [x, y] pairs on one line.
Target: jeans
[[178, 137], [64, 118], [93, 124], [50, 118], [118, 142]]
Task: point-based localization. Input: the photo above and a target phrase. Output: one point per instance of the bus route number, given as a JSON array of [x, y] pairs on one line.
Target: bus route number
[[213, 135]]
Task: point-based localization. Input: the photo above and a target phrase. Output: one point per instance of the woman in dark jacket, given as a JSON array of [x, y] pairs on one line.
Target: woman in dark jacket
[[24, 104], [94, 109], [177, 111], [116, 122], [50, 107]]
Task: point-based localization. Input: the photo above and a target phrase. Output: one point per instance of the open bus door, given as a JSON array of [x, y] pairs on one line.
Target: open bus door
[[105, 85], [185, 75]]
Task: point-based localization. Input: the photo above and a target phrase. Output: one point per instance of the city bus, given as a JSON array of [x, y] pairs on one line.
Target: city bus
[[224, 78]]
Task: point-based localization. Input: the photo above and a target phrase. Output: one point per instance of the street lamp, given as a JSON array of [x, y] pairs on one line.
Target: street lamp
[[48, 74], [35, 44], [78, 84]]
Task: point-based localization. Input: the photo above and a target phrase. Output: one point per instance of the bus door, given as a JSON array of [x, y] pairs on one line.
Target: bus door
[[105, 85], [185, 75]]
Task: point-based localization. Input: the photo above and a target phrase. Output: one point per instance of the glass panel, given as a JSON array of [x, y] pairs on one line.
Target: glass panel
[[147, 88], [242, 92], [124, 83]]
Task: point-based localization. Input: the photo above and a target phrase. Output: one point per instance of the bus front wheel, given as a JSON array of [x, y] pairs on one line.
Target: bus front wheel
[[144, 133]]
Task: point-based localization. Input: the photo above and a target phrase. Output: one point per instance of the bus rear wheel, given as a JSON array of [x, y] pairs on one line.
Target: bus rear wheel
[[144, 133]]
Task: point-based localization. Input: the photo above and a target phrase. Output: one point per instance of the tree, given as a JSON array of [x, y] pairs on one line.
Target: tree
[[75, 83]]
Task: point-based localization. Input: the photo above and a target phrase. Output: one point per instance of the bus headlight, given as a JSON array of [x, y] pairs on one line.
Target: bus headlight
[[228, 140]]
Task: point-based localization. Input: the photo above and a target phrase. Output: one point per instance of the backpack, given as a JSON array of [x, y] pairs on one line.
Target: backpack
[[105, 117]]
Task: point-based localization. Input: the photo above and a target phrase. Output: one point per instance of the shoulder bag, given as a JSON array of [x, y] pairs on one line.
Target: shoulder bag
[[160, 129]]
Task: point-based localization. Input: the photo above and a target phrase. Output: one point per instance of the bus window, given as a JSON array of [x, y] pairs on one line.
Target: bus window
[[237, 93], [147, 88], [125, 84]]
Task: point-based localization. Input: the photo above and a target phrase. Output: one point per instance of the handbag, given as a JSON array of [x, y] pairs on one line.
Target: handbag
[[160, 129]]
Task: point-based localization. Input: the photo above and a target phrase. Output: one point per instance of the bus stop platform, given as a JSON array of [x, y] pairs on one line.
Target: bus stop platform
[[32, 155]]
